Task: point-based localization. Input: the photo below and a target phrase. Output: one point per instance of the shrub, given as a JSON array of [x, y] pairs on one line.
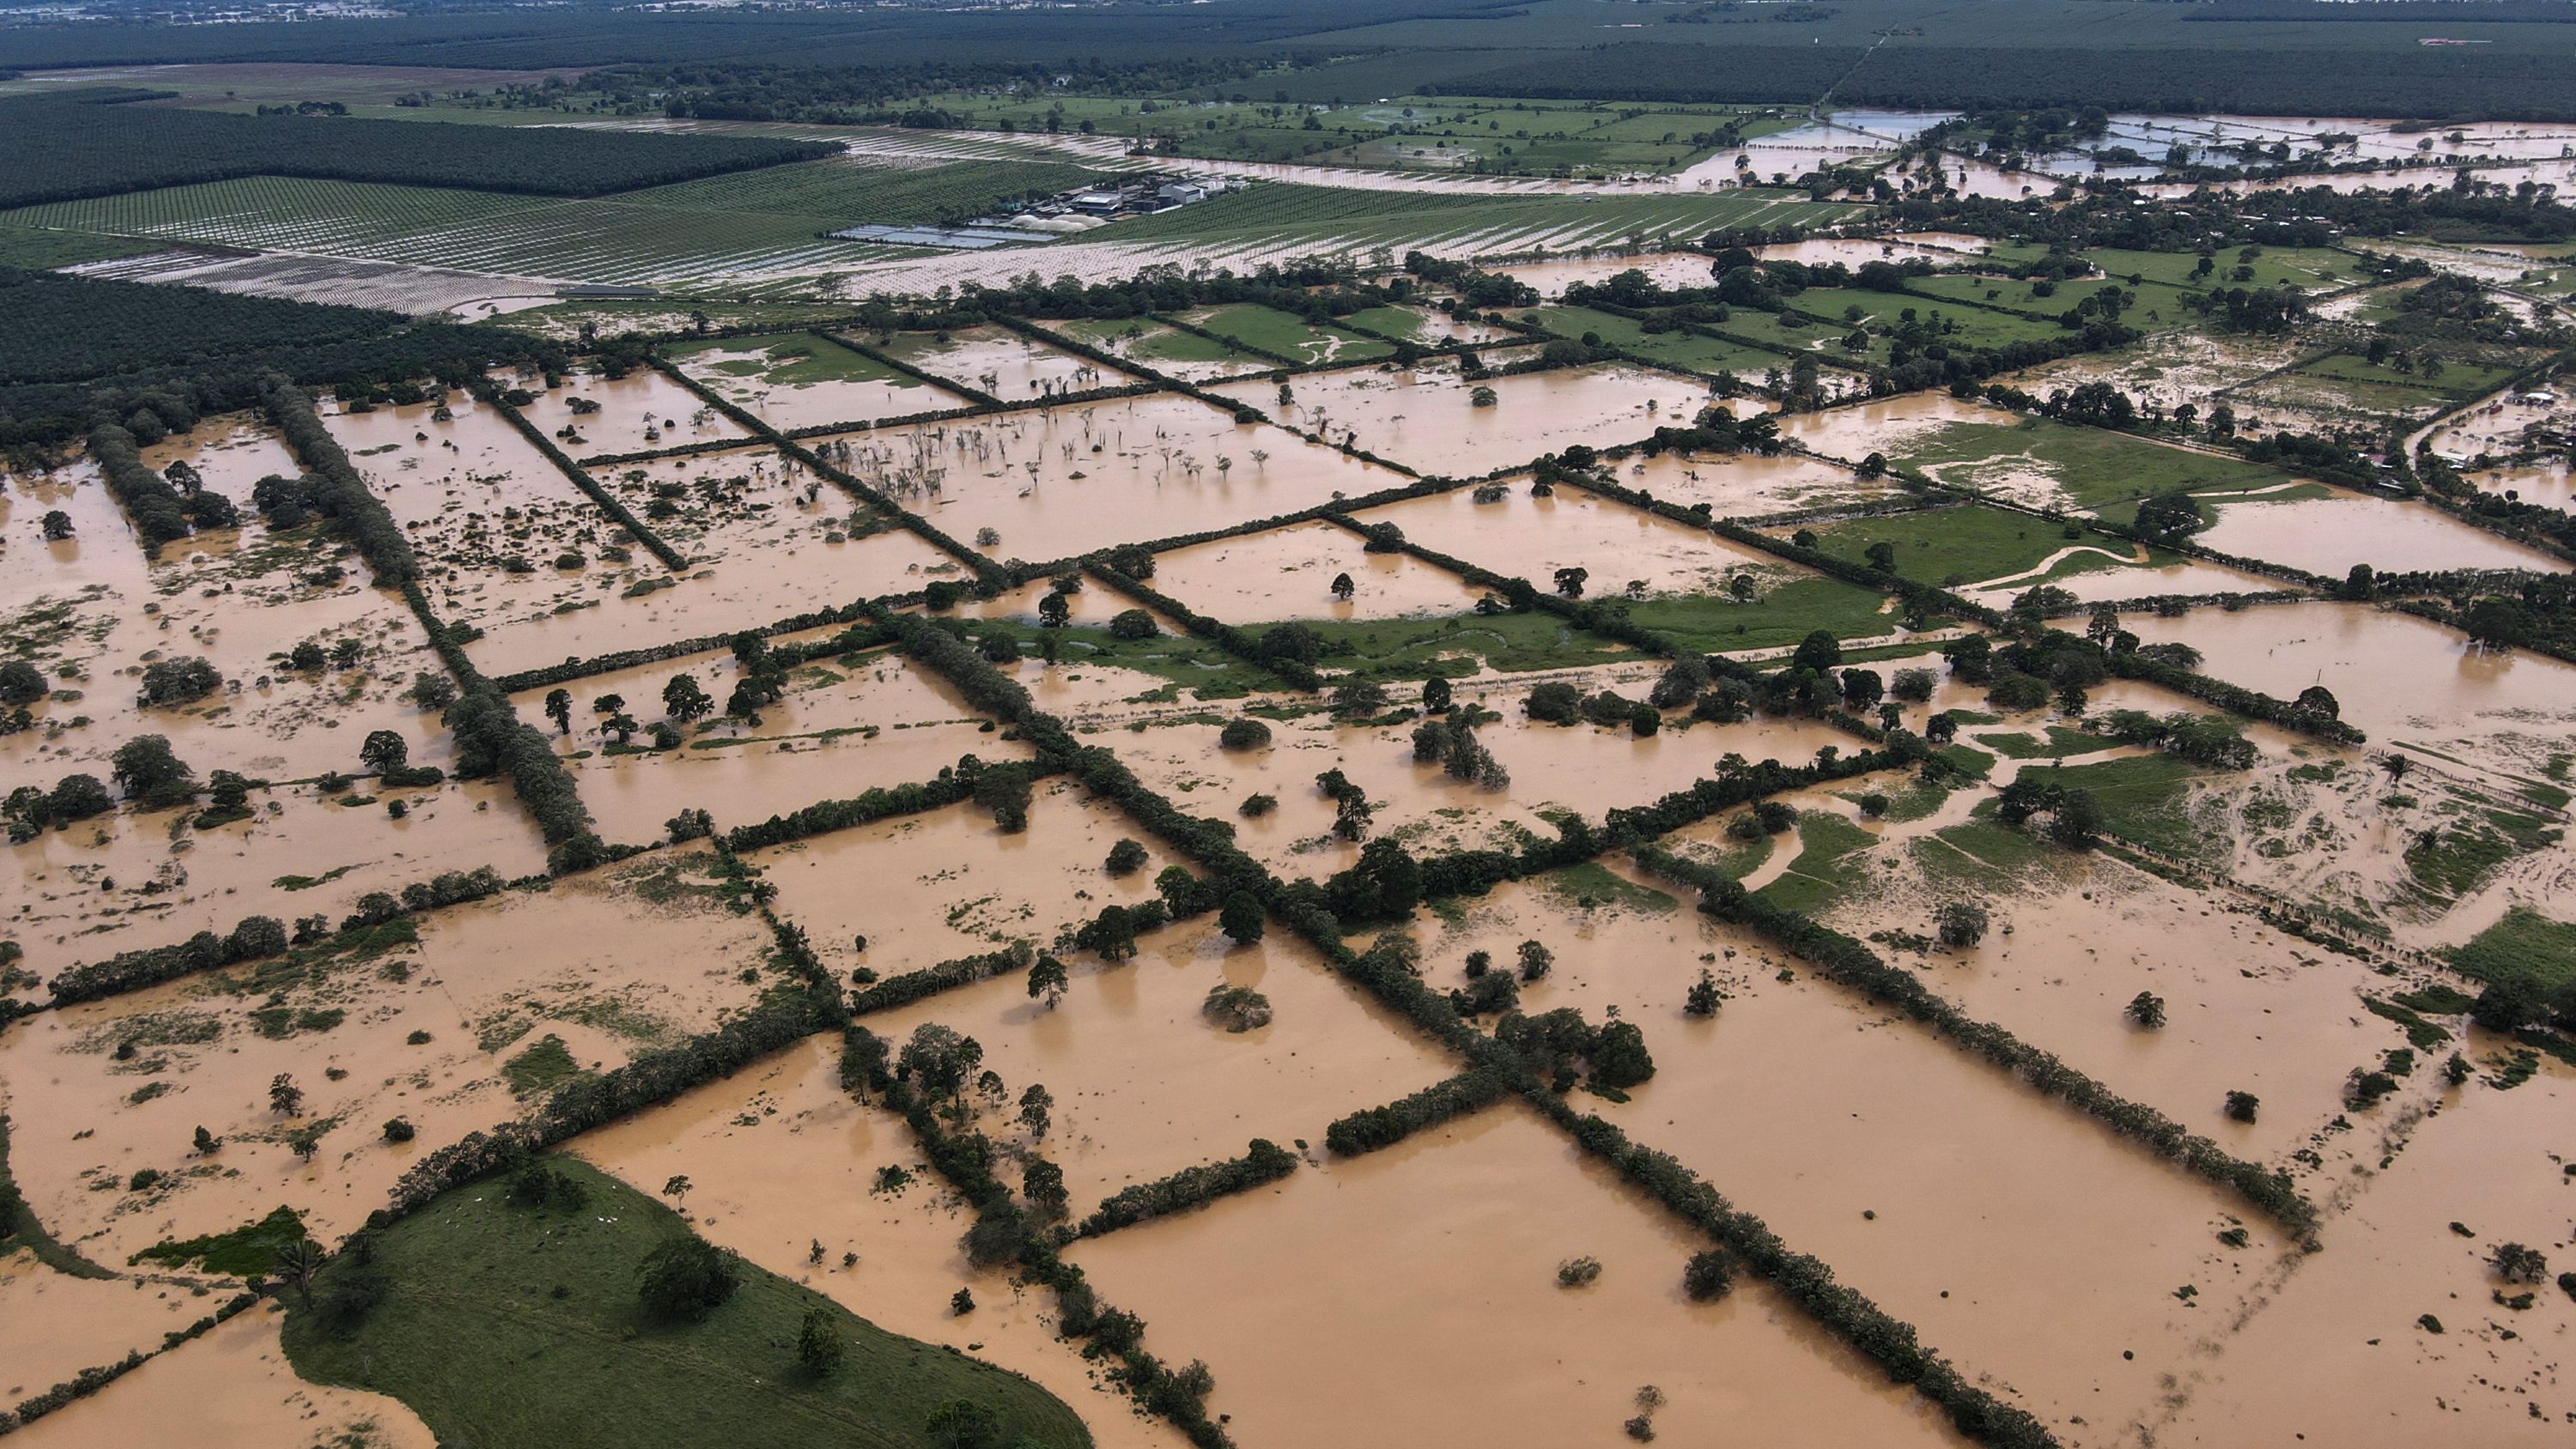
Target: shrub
[[1257, 805], [1707, 1277], [1578, 1272], [1244, 734], [1132, 624], [2241, 1106], [1236, 1008], [1960, 923], [1125, 858], [399, 1129], [686, 1279]]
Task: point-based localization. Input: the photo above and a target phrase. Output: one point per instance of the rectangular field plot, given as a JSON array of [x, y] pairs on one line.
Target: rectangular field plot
[[784, 1158], [793, 380], [1001, 363], [606, 964], [1551, 769], [1625, 551], [637, 413], [137, 878], [1289, 573], [1145, 1084], [1686, 350], [1420, 1282], [1071, 480], [1664, 269], [1427, 419], [1426, 325], [842, 728], [1972, 326], [1745, 485], [1267, 330], [2328, 535], [1164, 348], [2029, 1242]]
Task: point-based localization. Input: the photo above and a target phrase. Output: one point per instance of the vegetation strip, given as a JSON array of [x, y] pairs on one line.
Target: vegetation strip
[[489, 394], [1262, 1163]]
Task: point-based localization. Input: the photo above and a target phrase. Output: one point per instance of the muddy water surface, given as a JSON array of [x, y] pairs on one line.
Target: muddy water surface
[[1288, 573], [2330, 535], [1425, 420], [1620, 547], [1419, 1284], [1745, 485], [1001, 363], [741, 374]]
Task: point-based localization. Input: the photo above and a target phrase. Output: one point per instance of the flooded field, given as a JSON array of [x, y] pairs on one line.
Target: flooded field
[[800, 380], [1745, 485], [1290, 572], [1052, 484], [1626, 551], [1427, 419], [1003, 364], [2329, 535], [1421, 1283]]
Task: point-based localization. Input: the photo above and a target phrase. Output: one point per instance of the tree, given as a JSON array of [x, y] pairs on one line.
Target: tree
[[2515, 1263], [677, 1188], [1343, 588], [963, 1423], [1569, 581], [1437, 696], [1125, 858], [1243, 734], [684, 701], [1055, 610], [940, 1059], [57, 526], [559, 709], [2242, 1106], [1707, 1277], [1536, 961], [77, 797], [431, 691], [1132, 624], [1960, 923], [297, 1262], [1881, 556], [207, 1143], [284, 1097], [2168, 517], [21, 683], [1703, 997], [2319, 701], [686, 1279], [818, 1344], [1005, 790], [179, 681], [1047, 979], [1241, 919], [385, 753], [1819, 651], [2148, 1010]]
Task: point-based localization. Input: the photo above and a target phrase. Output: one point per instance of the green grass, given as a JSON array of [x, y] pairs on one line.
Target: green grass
[[36, 250], [1797, 334], [2302, 268], [512, 1328], [1411, 648], [2096, 468], [2385, 389], [1592, 885], [1183, 660], [1153, 342], [543, 1066], [1826, 866], [1981, 857], [2475, 842], [1713, 623], [1961, 544], [2524, 946], [2142, 801], [2061, 742], [1971, 326], [1684, 350], [793, 359], [1267, 329], [248, 1251]]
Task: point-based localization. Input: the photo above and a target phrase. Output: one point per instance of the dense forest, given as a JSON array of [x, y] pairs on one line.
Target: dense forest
[[63, 328], [102, 143]]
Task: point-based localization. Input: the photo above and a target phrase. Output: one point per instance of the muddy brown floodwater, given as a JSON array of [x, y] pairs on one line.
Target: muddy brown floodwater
[[1426, 419], [2329, 535], [1410, 1297], [1621, 547], [1288, 573]]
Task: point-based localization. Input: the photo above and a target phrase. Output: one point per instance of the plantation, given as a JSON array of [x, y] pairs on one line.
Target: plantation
[[75, 147]]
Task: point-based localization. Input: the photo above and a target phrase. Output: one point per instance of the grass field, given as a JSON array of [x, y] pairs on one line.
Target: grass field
[[793, 359], [2094, 467], [2524, 946], [1974, 326], [1266, 329], [1784, 615], [1393, 649], [2306, 269], [1684, 350], [36, 250], [507, 1326], [1826, 866], [2142, 799], [1962, 544], [2384, 389]]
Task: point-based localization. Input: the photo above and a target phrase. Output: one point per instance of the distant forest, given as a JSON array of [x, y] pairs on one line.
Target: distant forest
[[2278, 57], [105, 142]]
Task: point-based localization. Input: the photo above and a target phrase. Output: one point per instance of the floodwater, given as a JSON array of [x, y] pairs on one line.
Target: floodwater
[[633, 955], [783, 1159], [1425, 419], [1623, 548], [2337, 1355], [137, 878], [639, 412], [1003, 364], [1853, 433], [1666, 269], [2132, 580], [2168, 369], [2397, 677], [1288, 574], [1064, 481], [1420, 1284], [231, 1387], [1124, 1037], [948, 883], [739, 372], [53, 1325], [1746, 485], [838, 732], [2329, 535]]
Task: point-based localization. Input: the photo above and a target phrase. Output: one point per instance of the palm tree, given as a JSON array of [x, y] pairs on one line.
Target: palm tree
[[297, 1262]]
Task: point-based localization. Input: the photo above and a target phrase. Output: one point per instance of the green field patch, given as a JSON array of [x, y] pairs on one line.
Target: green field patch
[[1267, 329], [249, 1251], [513, 1327], [2094, 467], [1593, 886], [2142, 799], [2304, 268], [2525, 946], [1786, 614], [1827, 865], [1673, 348], [1151, 342], [1455, 646], [793, 359], [1957, 545], [1972, 326], [2061, 742]]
